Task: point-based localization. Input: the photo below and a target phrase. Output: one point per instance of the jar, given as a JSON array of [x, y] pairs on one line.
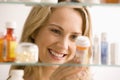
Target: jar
[[26, 52]]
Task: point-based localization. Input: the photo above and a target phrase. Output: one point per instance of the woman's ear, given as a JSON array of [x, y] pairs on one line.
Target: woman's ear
[[34, 35]]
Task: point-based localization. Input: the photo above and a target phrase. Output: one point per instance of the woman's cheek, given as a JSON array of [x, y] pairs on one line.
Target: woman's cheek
[[72, 52]]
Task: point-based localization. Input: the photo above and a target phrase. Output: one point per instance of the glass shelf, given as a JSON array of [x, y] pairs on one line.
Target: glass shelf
[[49, 64], [61, 4]]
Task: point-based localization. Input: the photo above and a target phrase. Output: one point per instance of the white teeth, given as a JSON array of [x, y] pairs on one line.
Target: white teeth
[[56, 54]]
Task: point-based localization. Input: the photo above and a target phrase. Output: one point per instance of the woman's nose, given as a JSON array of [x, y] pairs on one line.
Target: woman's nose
[[63, 43]]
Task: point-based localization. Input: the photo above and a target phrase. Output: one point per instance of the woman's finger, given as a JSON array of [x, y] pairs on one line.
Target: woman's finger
[[63, 71]]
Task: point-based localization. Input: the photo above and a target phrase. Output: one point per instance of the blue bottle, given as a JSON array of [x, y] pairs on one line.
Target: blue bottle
[[104, 48]]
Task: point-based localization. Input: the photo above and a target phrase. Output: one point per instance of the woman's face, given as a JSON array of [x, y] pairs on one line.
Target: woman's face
[[56, 40]]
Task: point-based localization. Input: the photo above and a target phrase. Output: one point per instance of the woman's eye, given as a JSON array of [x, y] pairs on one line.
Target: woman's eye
[[56, 31], [74, 37]]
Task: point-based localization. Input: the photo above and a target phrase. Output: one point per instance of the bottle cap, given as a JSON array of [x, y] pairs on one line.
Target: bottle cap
[[103, 36], [96, 39], [83, 41], [11, 24], [17, 72]]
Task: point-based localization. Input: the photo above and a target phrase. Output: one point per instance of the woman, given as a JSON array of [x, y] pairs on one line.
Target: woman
[[55, 30]]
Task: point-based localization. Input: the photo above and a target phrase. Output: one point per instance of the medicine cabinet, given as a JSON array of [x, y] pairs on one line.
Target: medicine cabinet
[[104, 18]]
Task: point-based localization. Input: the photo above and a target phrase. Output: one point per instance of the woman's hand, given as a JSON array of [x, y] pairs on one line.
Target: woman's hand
[[72, 72]]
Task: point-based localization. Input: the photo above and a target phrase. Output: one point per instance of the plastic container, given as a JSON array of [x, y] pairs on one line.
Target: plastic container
[[16, 75], [26, 53], [83, 44]]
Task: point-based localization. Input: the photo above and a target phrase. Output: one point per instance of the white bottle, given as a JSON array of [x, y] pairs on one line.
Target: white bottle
[[83, 44], [16, 75], [96, 50], [114, 53]]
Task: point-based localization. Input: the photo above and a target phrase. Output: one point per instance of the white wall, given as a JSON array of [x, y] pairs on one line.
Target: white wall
[[16, 13], [106, 19]]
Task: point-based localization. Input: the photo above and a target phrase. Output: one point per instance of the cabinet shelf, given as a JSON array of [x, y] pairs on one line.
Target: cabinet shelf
[[60, 4], [70, 64]]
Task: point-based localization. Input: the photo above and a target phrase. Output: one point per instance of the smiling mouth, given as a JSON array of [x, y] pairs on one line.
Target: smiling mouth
[[56, 55]]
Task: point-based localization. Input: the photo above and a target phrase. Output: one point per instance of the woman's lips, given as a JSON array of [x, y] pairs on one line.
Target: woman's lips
[[56, 56]]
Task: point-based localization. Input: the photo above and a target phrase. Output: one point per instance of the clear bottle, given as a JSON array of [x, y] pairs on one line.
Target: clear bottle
[[10, 42], [2, 35], [16, 75], [83, 44], [104, 48]]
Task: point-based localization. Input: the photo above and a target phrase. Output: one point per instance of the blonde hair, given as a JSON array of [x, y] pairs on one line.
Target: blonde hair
[[36, 19]]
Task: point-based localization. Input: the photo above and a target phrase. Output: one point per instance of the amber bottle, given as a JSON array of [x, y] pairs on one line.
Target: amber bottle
[[10, 42]]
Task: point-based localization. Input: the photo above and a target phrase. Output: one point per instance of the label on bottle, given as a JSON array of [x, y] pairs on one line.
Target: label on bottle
[[81, 55], [104, 52], [12, 48]]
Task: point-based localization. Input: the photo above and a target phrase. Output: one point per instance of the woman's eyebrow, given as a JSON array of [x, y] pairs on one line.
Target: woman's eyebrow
[[58, 26]]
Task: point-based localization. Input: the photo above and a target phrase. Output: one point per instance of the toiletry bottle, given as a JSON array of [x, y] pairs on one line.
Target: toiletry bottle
[[16, 75], [114, 47], [10, 42], [2, 35], [104, 48], [96, 50], [83, 44]]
